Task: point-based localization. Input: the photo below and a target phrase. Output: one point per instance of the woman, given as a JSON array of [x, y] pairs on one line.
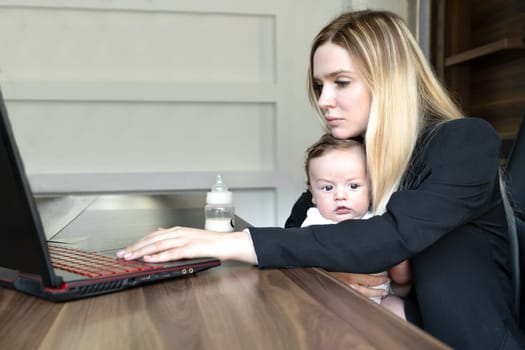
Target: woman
[[435, 190]]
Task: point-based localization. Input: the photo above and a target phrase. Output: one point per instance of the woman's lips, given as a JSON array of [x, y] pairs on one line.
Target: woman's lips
[[332, 120]]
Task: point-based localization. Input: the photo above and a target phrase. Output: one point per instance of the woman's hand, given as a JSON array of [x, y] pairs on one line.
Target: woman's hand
[[401, 273], [362, 283], [182, 242]]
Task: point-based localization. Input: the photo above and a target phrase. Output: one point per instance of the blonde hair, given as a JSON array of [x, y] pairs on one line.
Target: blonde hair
[[405, 92]]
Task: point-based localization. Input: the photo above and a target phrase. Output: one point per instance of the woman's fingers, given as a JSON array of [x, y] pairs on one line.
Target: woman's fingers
[[363, 283], [154, 242], [368, 291], [368, 279], [182, 242], [175, 243], [361, 279], [166, 255]]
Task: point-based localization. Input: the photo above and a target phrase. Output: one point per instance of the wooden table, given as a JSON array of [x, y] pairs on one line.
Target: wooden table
[[234, 306]]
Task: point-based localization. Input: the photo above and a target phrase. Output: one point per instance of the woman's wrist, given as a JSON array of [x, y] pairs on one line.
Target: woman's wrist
[[239, 247]]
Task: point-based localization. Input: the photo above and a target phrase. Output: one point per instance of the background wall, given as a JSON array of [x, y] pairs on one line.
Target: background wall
[[157, 96]]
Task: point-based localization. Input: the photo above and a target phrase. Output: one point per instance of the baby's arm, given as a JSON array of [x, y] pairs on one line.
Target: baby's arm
[[400, 273]]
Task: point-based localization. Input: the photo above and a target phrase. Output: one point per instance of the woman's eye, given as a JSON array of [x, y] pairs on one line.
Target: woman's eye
[[342, 83], [327, 188], [317, 88]]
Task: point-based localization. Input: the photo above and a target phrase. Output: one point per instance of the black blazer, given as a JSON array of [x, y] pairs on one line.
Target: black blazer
[[447, 218]]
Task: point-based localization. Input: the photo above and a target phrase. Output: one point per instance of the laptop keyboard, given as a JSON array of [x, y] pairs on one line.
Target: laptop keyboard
[[92, 264]]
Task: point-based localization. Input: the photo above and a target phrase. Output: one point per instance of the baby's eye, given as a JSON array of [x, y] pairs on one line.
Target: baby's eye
[[327, 188], [353, 186]]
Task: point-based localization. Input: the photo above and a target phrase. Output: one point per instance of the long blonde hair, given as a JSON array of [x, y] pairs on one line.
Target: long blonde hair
[[405, 92]]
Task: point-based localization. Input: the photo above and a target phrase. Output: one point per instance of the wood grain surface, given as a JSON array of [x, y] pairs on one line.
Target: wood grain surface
[[235, 306]]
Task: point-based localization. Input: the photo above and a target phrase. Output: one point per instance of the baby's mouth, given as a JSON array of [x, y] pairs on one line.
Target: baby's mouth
[[342, 210]]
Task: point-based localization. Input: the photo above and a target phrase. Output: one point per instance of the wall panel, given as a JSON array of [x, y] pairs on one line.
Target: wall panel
[[108, 137], [118, 45]]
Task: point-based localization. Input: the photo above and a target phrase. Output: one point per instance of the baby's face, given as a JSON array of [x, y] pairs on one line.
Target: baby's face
[[339, 184]]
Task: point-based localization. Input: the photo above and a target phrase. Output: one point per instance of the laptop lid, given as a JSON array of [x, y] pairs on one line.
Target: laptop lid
[[22, 239]]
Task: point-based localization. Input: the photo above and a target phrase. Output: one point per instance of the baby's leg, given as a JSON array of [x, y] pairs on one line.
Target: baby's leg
[[394, 304]]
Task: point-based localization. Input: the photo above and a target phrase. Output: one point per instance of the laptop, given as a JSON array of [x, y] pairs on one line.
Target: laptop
[[55, 270]]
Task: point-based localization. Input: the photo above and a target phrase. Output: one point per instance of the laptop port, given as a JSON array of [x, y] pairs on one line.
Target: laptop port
[[144, 278]]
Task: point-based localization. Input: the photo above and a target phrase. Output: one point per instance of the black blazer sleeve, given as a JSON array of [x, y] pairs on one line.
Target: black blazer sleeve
[[455, 183], [298, 214]]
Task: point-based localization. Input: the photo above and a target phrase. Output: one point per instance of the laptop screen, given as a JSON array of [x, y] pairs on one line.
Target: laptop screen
[[22, 239]]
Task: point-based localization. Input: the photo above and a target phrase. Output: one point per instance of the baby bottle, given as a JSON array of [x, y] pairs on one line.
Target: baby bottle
[[219, 210]]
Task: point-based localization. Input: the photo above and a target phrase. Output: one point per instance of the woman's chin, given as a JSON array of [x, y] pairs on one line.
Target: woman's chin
[[341, 134]]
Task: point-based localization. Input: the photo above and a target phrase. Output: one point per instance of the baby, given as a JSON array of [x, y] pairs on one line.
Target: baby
[[337, 178]]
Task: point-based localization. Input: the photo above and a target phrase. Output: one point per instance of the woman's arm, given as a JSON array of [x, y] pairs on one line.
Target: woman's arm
[[299, 210], [455, 179]]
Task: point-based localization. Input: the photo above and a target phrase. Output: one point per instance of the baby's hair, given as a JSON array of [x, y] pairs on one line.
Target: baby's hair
[[327, 143]]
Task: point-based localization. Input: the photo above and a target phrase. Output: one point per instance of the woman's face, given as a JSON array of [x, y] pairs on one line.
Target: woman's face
[[344, 96]]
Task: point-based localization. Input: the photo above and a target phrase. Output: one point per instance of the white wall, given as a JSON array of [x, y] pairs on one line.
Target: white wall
[[110, 96]]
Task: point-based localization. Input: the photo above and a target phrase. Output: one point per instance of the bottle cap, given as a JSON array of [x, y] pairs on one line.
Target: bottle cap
[[219, 193]]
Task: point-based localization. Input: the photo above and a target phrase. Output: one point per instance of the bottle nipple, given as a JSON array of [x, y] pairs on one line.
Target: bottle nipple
[[219, 193], [219, 185], [219, 209]]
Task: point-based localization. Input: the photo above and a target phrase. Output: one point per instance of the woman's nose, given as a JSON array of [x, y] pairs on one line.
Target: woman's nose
[[326, 99]]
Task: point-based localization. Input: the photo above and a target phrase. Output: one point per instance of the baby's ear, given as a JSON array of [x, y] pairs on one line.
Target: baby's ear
[[313, 198]]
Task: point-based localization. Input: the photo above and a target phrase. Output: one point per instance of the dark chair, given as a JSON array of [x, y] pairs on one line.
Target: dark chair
[[520, 228], [515, 182], [515, 171]]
